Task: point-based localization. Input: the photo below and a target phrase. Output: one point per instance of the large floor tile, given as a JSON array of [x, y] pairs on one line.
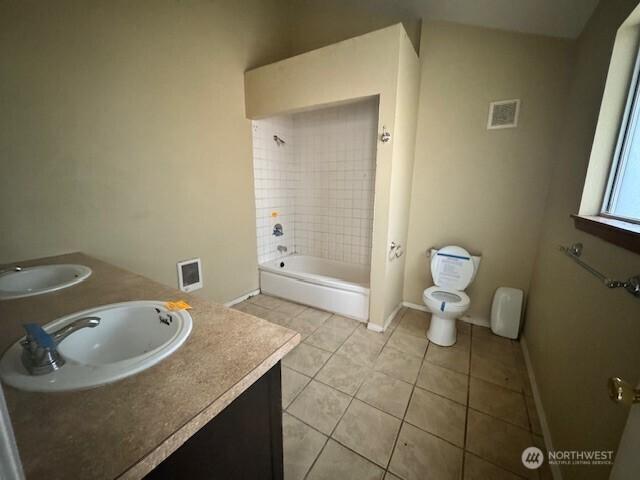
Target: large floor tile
[[497, 441], [302, 326], [454, 358], [361, 350], [379, 337], [445, 382], [463, 340], [314, 316], [278, 318], [290, 308], [292, 384], [343, 374], [328, 338], [306, 359], [386, 393], [391, 476], [498, 402], [477, 469], [251, 308], [421, 456], [266, 301], [368, 431], [337, 462], [494, 371], [301, 446], [414, 323], [496, 348], [438, 415], [342, 323], [397, 364], [463, 328], [478, 331], [320, 406], [408, 343]]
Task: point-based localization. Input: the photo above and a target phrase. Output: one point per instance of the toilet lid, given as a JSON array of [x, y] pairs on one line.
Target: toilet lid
[[452, 267]]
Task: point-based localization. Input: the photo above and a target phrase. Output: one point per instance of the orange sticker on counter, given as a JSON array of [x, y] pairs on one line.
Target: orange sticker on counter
[[177, 305]]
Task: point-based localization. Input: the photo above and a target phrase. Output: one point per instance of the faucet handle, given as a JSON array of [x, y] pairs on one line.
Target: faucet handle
[[37, 334], [39, 355]]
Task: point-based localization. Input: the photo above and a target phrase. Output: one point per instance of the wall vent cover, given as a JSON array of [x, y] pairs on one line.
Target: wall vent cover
[[503, 114]]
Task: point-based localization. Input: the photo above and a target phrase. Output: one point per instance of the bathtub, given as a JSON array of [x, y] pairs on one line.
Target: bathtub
[[337, 287]]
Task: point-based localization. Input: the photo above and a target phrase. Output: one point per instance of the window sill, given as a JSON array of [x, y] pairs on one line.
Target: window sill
[[622, 234]]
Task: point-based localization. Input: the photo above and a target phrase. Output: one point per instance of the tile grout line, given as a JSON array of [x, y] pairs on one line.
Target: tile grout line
[[413, 387], [313, 378], [465, 450], [330, 436], [466, 412]]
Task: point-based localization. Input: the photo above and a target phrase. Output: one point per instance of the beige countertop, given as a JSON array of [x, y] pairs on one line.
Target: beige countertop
[[125, 429]]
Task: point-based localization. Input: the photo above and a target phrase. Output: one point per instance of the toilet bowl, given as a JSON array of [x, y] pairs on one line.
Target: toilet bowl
[[452, 269]]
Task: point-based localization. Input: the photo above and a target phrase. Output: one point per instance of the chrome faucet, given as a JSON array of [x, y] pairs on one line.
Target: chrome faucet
[[40, 349], [281, 249]]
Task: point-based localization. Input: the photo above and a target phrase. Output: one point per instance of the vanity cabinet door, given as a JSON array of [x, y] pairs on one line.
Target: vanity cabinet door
[[244, 441]]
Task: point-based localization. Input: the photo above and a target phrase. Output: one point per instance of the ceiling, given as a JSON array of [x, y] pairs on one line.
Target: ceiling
[[558, 18]]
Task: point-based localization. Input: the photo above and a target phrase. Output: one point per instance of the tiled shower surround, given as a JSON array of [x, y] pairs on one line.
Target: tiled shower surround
[[320, 183]]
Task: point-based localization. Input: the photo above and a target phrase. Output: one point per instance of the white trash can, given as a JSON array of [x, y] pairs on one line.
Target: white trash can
[[506, 312]]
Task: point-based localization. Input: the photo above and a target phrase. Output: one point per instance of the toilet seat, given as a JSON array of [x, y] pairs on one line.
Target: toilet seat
[[447, 298]]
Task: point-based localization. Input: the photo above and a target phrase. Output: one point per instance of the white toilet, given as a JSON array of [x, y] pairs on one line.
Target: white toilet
[[452, 269]]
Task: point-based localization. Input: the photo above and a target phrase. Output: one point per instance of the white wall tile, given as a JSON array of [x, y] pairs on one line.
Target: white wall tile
[[321, 183]]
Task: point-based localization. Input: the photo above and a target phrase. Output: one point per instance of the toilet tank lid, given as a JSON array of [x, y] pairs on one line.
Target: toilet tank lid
[[452, 267]]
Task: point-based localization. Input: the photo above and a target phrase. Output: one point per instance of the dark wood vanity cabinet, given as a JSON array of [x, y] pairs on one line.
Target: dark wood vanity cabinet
[[244, 441]]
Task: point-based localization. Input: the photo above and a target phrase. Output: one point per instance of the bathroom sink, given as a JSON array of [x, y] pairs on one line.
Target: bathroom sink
[[25, 282], [129, 338]]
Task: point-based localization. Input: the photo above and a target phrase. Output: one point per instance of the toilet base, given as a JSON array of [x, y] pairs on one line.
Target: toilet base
[[442, 331]]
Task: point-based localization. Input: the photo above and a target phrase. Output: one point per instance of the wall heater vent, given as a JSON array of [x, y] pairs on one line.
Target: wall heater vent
[[503, 114]]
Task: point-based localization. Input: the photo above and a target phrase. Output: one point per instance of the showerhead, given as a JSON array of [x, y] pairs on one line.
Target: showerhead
[[279, 141]]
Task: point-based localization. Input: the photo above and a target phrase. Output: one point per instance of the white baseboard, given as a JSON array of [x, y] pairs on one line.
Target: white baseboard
[[242, 298], [480, 321], [546, 433], [377, 328]]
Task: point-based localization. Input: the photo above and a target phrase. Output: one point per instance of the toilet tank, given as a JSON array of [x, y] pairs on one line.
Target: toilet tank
[[474, 258]]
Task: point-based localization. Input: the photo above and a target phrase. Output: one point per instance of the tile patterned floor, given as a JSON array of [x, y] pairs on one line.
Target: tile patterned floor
[[365, 405]]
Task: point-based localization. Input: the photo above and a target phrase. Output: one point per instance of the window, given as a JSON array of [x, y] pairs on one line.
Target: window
[[622, 197]]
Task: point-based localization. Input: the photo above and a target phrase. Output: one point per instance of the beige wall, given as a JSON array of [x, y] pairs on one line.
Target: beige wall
[[578, 332], [368, 65], [483, 189], [124, 135], [403, 143], [316, 24]]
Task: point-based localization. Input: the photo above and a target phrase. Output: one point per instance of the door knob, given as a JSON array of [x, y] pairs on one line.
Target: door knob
[[623, 392]]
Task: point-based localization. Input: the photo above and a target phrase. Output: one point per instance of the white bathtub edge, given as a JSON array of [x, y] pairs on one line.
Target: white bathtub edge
[[344, 302]]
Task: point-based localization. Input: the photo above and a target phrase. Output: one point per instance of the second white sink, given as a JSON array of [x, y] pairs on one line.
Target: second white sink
[[25, 282]]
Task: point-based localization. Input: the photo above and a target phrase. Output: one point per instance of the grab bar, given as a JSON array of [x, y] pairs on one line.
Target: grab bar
[[632, 285]]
